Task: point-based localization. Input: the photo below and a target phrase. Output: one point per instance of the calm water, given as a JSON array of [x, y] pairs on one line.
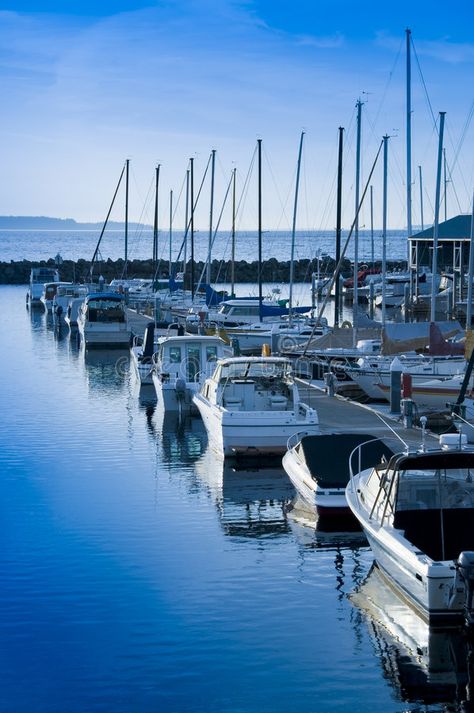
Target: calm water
[[73, 245], [138, 573]]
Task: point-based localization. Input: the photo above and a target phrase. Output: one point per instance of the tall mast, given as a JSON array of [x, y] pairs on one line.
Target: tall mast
[[434, 268], [384, 226], [372, 252], [470, 277], [232, 264], [127, 162], [186, 219], [260, 296], [355, 303], [408, 166], [155, 222], [338, 225], [445, 186], [211, 210], [191, 198], [293, 232], [171, 233], [421, 199]]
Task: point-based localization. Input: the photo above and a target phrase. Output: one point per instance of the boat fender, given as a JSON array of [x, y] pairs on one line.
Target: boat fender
[[346, 324]]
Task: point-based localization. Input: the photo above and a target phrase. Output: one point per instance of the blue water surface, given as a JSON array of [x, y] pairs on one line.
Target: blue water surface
[[140, 573]]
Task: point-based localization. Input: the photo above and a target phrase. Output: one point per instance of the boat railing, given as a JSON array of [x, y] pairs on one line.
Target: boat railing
[[357, 452], [295, 438]]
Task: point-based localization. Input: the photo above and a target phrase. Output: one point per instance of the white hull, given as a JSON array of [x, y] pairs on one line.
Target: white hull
[[99, 334], [251, 432], [425, 585], [331, 501], [143, 371], [171, 399]]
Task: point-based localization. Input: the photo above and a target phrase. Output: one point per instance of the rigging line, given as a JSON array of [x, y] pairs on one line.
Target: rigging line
[[105, 223], [180, 194], [389, 80], [423, 83], [246, 185], [140, 226], [450, 170], [215, 232], [337, 269], [193, 208], [463, 134], [267, 160]]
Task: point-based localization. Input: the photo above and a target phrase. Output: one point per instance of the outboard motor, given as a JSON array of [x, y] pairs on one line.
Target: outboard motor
[[148, 342], [180, 387], [465, 568]]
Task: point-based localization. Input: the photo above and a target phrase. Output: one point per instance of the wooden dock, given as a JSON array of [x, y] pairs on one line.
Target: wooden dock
[[138, 321], [339, 414]]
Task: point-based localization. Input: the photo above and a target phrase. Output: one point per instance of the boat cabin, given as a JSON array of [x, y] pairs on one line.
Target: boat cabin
[[252, 384], [104, 307], [429, 496], [188, 357]]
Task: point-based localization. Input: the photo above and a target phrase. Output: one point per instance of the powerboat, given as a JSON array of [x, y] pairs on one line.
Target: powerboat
[[318, 467], [251, 405], [143, 348], [102, 321], [64, 294], [49, 293], [38, 277], [180, 365], [417, 509]]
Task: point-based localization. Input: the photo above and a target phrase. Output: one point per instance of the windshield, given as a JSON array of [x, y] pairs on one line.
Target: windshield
[[256, 369]]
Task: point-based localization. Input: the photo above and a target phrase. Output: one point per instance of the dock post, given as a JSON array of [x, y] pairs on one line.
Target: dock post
[[329, 380], [395, 385], [407, 412]]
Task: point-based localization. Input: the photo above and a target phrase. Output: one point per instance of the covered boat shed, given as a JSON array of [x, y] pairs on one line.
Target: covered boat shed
[[454, 239]]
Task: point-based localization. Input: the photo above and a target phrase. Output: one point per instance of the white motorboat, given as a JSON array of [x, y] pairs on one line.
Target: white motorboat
[[142, 349], [432, 393], [64, 294], [102, 320], [370, 373], [417, 510], [49, 293], [242, 311], [72, 312], [38, 277], [318, 467], [251, 405], [181, 364], [280, 335]]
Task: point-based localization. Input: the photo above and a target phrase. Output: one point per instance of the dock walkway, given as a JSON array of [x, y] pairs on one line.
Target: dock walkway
[[338, 414]]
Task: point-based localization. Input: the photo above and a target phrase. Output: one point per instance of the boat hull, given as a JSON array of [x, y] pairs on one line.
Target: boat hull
[[100, 336], [248, 433], [331, 501]]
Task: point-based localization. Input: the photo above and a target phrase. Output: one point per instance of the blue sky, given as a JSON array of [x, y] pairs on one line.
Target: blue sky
[[87, 85]]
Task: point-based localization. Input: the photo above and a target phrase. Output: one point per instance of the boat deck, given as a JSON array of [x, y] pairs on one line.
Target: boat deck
[[338, 414]]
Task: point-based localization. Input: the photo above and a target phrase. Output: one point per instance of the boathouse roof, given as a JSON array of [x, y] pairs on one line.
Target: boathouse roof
[[457, 228]]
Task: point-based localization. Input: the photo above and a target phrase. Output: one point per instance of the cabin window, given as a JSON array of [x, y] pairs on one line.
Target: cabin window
[[193, 363], [211, 354], [175, 355]]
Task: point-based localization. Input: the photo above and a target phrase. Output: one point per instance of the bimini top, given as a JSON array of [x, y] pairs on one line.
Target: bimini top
[[432, 460], [105, 296]]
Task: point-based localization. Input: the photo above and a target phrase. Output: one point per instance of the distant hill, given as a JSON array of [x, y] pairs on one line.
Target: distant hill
[[41, 222]]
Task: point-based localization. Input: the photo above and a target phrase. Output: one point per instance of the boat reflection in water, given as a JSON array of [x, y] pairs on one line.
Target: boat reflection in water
[[316, 530], [250, 499], [106, 370], [424, 664], [181, 441]]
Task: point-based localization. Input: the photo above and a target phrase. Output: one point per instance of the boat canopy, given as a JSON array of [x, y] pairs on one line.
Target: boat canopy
[[105, 296], [435, 460], [327, 456]]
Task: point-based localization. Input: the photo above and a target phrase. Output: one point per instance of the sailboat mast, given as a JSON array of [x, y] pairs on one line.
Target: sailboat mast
[[408, 157], [127, 162], [155, 221], [434, 268], [355, 301], [232, 268], [171, 234], [470, 276], [421, 199], [384, 226], [211, 211], [191, 199], [293, 231], [372, 252], [445, 186], [260, 296], [337, 285], [185, 254]]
